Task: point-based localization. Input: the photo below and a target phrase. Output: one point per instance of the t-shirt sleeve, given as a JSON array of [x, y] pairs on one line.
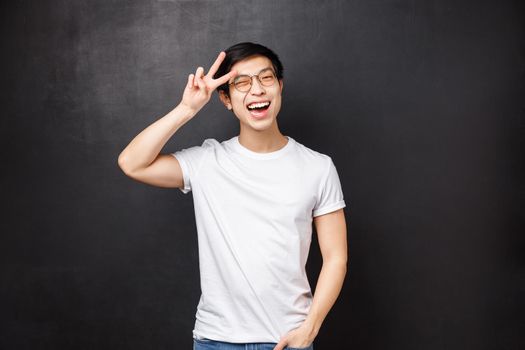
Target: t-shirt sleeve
[[190, 160], [330, 194]]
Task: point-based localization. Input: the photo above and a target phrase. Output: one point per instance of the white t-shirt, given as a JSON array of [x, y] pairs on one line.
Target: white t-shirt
[[254, 216]]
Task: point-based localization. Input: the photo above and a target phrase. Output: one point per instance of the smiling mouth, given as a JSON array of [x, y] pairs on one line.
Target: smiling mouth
[[258, 106]]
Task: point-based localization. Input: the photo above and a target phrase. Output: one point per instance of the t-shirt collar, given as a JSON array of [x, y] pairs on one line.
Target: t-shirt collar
[[256, 155]]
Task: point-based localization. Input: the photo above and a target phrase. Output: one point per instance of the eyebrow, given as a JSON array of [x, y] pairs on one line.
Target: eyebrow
[[257, 72]]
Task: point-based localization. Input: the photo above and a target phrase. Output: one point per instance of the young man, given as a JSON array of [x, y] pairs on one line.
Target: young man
[[255, 197]]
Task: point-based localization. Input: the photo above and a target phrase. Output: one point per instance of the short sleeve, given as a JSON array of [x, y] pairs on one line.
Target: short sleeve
[[190, 160], [330, 194]]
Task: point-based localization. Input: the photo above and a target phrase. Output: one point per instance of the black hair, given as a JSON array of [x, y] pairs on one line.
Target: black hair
[[241, 51]]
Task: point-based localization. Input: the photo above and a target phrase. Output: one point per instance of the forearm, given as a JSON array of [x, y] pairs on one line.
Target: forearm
[[327, 290], [146, 146]]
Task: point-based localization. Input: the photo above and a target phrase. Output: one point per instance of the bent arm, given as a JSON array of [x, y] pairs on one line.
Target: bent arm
[[331, 232], [141, 160], [146, 146]]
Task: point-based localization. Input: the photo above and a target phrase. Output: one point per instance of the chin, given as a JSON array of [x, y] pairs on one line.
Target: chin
[[259, 124]]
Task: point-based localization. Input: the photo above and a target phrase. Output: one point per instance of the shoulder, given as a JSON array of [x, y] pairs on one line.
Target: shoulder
[[208, 146], [313, 157], [210, 143], [197, 152], [314, 164], [214, 143]]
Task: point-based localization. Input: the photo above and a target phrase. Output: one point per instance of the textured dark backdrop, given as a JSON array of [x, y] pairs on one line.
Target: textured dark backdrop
[[419, 103]]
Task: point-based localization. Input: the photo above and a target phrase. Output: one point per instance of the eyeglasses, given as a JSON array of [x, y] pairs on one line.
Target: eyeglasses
[[243, 83]]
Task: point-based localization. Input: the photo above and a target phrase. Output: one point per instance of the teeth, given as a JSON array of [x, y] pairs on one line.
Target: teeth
[[258, 105]]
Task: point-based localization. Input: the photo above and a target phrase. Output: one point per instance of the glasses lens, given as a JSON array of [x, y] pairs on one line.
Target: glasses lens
[[267, 78], [243, 83]]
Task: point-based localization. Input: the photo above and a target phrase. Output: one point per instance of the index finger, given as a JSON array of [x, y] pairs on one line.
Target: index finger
[[216, 64], [224, 78]]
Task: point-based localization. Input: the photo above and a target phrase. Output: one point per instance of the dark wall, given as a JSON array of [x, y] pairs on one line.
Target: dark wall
[[419, 104]]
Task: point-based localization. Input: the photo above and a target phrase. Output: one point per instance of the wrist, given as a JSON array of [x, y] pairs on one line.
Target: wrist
[[311, 328], [186, 110]]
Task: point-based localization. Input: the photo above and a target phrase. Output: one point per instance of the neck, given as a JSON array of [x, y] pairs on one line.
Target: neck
[[262, 141]]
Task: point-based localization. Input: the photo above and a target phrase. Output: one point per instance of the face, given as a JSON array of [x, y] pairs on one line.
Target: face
[[262, 118]]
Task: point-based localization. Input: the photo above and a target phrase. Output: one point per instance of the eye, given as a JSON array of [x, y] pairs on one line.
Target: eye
[[242, 80], [267, 77]]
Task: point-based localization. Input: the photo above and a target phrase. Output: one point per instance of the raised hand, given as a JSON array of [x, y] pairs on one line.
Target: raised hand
[[200, 87]]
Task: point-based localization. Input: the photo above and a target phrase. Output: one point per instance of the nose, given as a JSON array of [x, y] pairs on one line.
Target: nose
[[256, 87]]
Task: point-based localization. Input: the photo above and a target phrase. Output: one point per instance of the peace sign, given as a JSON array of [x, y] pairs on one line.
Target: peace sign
[[200, 87]]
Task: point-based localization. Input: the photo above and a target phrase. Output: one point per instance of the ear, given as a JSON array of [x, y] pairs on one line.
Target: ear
[[225, 100], [281, 83]]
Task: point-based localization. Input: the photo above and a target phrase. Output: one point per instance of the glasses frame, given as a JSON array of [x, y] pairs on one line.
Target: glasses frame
[[251, 79]]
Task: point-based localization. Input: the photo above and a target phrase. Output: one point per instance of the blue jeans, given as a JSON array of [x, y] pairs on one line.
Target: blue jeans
[[208, 344]]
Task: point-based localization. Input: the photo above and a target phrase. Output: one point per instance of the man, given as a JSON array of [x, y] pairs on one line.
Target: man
[[255, 197]]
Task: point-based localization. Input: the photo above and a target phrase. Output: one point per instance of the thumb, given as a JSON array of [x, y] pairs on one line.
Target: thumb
[[200, 83], [280, 345]]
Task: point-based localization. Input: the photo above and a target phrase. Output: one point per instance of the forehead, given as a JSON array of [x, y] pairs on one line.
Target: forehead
[[252, 65]]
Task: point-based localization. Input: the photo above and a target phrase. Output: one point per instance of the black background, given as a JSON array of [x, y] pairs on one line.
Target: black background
[[419, 104]]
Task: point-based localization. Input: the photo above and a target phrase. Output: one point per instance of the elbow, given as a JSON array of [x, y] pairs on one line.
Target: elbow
[[121, 161], [338, 262], [124, 164], [344, 266], [336, 257]]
